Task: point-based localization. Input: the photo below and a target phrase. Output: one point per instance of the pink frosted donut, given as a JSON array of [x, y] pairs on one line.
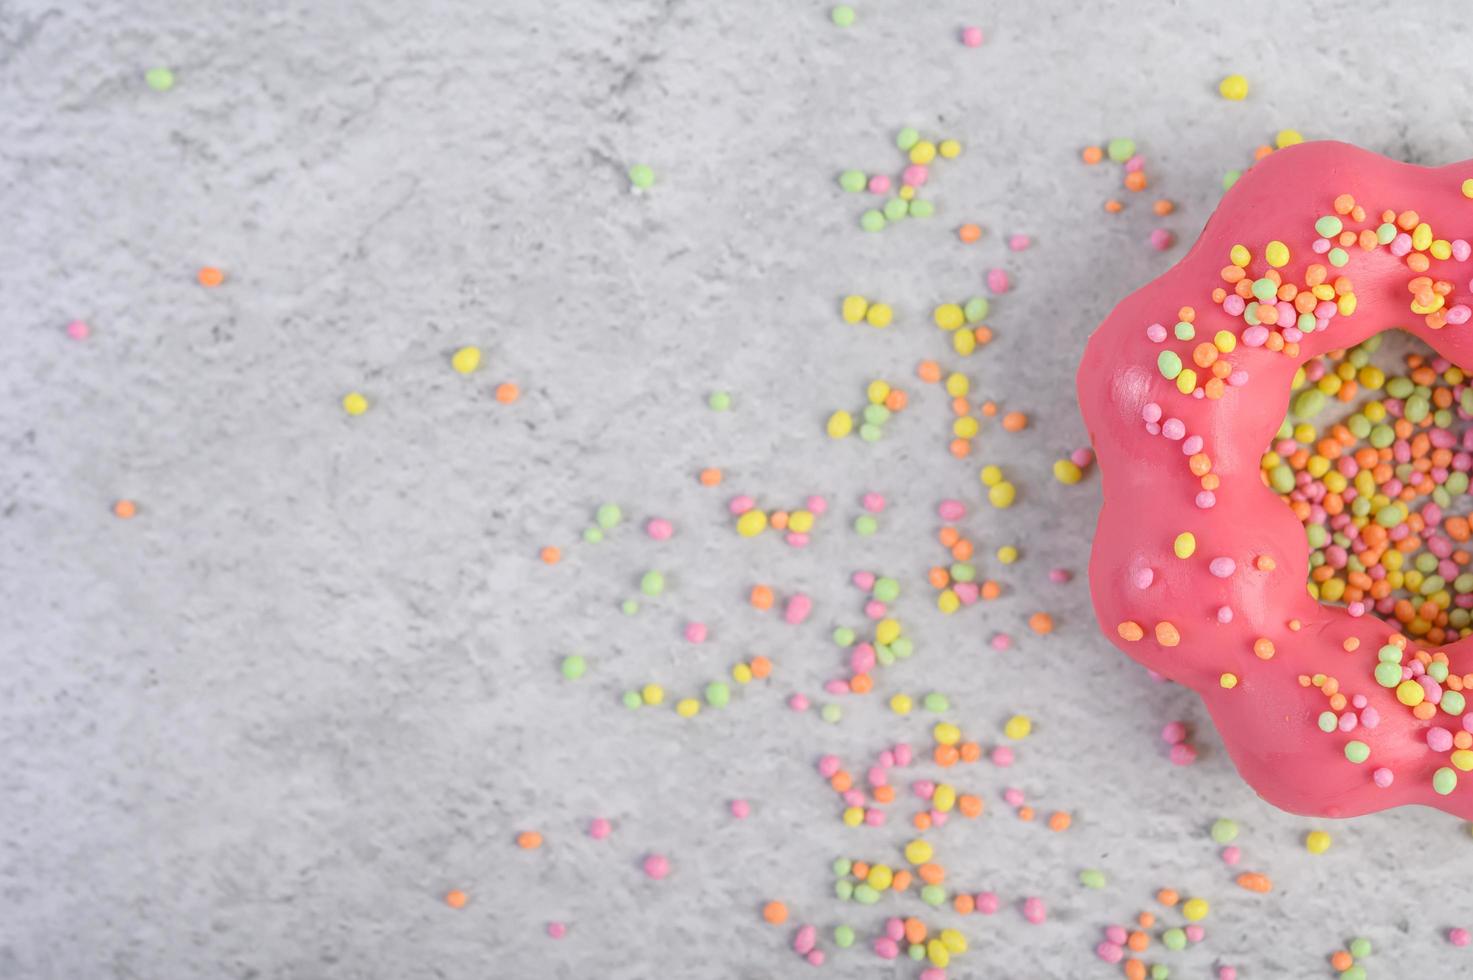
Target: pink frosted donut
[[1199, 570]]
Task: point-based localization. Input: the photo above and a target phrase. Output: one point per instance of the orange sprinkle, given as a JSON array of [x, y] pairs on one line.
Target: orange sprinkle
[[710, 477], [125, 509], [1092, 155], [1168, 897], [1138, 941], [1147, 919], [760, 597], [946, 755], [551, 554], [529, 840], [900, 881], [915, 930], [455, 898], [507, 392], [964, 903], [1167, 634], [971, 806], [1130, 631], [210, 277], [1263, 648], [1041, 623], [761, 666], [969, 233], [931, 873], [1135, 970], [1059, 821], [1255, 882], [928, 371], [1342, 960], [775, 913], [1113, 206], [1015, 421], [1164, 207], [1025, 813]]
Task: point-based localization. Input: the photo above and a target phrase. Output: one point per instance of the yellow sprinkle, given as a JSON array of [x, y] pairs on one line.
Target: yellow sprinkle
[[1240, 256], [1228, 681], [840, 424], [354, 403], [466, 360], [1185, 545], [687, 707], [854, 308], [1288, 137], [1317, 842], [1234, 88], [948, 316], [1277, 254], [1468, 188], [950, 149], [901, 704], [879, 315]]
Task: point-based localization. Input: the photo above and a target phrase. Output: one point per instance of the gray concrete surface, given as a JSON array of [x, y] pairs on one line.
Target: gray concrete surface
[[259, 730]]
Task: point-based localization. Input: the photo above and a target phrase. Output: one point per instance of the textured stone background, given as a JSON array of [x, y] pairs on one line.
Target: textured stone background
[[259, 730]]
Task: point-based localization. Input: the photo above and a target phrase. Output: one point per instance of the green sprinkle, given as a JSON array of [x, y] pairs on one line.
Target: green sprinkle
[[718, 695], [1389, 516], [1174, 939], [609, 516], [1356, 972], [1400, 387], [1328, 722], [1385, 233], [884, 654], [1169, 364], [831, 713], [1309, 403], [886, 589], [853, 181], [1338, 257], [1388, 675], [866, 894], [159, 79], [1120, 150], [1092, 878], [936, 703], [574, 667], [842, 15], [1360, 947], [843, 937], [876, 414], [719, 401], [1265, 290], [866, 525], [1417, 408], [870, 432], [844, 890], [922, 209], [1281, 478], [1329, 226], [842, 866], [1160, 971], [843, 636], [1184, 330], [1453, 702], [1444, 781], [903, 647], [906, 138], [896, 208], [652, 583], [629, 607], [1224, 831], [963, 572], [976, 309], [933, 895], [1250, 314], [592, 535], [631, 699], [916, 952], [1230, 178], [641, 176], [872, 220], [1357, 751]]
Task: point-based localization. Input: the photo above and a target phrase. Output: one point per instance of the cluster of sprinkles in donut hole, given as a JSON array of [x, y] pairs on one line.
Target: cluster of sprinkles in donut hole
[[1348, 497]]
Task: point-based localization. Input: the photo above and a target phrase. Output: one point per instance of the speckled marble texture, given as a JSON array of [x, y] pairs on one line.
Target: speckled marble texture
[[260, 729]]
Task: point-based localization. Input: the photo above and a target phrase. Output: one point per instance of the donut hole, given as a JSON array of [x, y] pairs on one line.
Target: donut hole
[[1374, 459]]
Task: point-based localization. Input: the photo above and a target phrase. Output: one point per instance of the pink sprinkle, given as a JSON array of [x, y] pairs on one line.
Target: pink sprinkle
[[657, 866], [1116, 935], [1224, 614], [695, 632], [903, 754], [924, 788], [828, 765], [1135, 164], [1383, 777], [986, 903], [1195, 933], [1151, 412], [1439, 739], [1161, 239], [77, 330], [1459, 314], [998, 281], [805, 940], [659, 528], [886, 948], [1143, 578], [1082, 458], [1255, 336], [1458, 936], [1001, 642], [1012, 796], [815, 957], [836, 687], [557, 930], [1174, 732], [599, 828], [797, 609], [933, 973], [1206, 500], [816, 504], [1034, 910], [796, 540], [1227, 973], [914, 175], [1461, 250], [1232, 854], [740, 505], [740, 809], [1174, 429], [874, 817], [879, 184], [875, 609], [872, 502], [1222, 567], [1156, 333], [798, 702], [972, 37], [1183, 754], [1109, 952], [1059, 576], [1002, 756], [951, 510], [864, 580], [1019, 243]]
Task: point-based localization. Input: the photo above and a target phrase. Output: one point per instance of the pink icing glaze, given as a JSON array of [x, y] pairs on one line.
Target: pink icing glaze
[[1268, 720]]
